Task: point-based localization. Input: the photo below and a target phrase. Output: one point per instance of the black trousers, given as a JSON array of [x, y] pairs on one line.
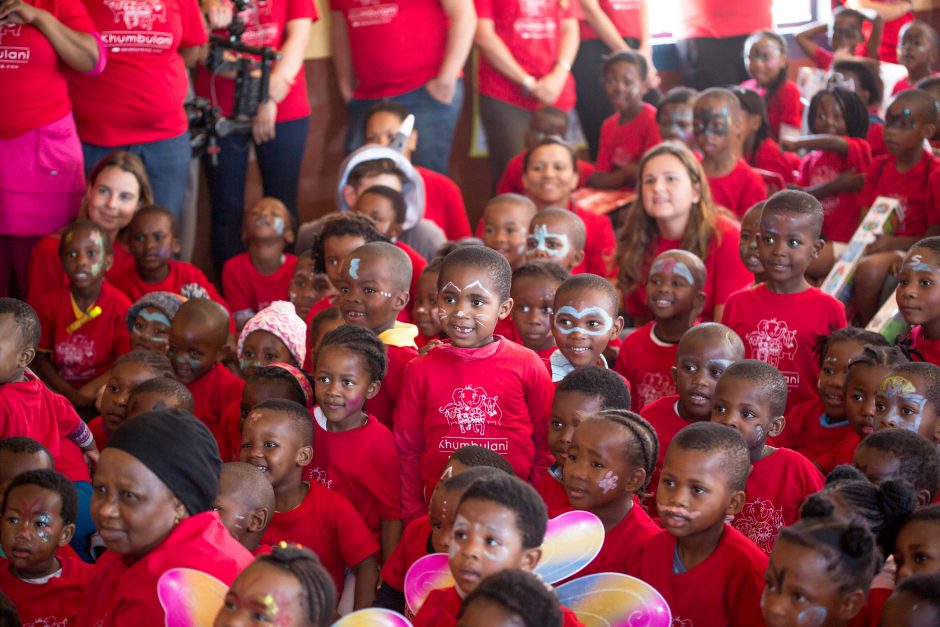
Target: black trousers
[[708, 62]]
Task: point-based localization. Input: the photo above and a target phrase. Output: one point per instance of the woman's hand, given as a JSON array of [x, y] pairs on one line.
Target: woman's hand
[[18, 12], [218, 14], [262, 125], [279, 86], [548, 88], [441, 90]]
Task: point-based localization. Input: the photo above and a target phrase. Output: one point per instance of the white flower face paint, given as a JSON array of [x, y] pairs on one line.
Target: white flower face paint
[[354, 269], [579, 314], [608, 482], [541, 235]]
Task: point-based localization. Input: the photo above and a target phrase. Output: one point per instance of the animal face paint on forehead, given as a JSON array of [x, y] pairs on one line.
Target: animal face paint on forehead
[[590, 320], [899, 404], [548, 243], [712, 120]]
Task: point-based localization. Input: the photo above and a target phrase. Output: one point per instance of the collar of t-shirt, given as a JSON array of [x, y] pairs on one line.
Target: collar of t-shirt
[[473, 354], [561, 367], [657, 341], [82, 317], [41, 581], [401, 335]]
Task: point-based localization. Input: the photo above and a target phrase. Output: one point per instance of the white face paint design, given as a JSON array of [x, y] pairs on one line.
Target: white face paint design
[[450, 286], [354, 269], [279, 225], [588, 311], [811, 617], [479, 285], [608, 482], [671, 266], [541, 235]]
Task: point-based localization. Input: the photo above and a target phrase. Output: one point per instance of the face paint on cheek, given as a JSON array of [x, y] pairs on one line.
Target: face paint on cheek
[[279, 225], [589, 311], [43, 533], [608, 482], [669, 265], [354, 269], [270, 605], [811, 617], [711, 122], [541, 235]]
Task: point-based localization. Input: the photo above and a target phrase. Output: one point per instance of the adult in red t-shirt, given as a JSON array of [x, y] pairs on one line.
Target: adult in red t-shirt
[[136, 104], [41, 173], [411, 53], [526, 51]]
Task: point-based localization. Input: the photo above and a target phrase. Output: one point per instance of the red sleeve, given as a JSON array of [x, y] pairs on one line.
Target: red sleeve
[[728, 272], [755, 191], [837, 319], [651, 136], [387, 488], [858, 156], [539, 400], [297, 9], [511, 181], [408, 421], [605, 149], [194, 31], [122, 337], [791, 107], [355, 541], [73, 14], [456, 223], [235, 283], [822, 58]]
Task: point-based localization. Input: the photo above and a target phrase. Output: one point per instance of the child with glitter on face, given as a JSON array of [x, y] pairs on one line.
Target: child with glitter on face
[[909, 398], [149, 320]]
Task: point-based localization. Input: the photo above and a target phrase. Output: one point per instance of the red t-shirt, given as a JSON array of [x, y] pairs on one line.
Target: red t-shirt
[[441, 607], [913, 188], [768, 156], [623, 545], [625, 16], [230, 435], [511, 181], [382, 405], [623, 144], [842, 453], [247, 289], [718, 18], [531, 30], [123, 591], [143, 41], [782, 329], [664, 417], [891, 35], [810, 432], [929, 349], [725, 273], [498, 396], [88, 351], [326, 523], [646, 362], [35, 90], [55, 602], [99, 431], [876, 138], [842, 210], [550, 487], [722, 591], [823, 57], [212, 393], [265, 25], [362, 465], [776, 487], [784, 108], [180, 275], [443, 204], [601, 246], [29, 408], [739, 190], [45, 271], [905, 83], [415, 540]]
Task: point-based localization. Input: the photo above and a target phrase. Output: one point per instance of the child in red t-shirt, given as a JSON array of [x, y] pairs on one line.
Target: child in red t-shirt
[[750, 241], [708, 572], [245, 503], [904, 455], [844, 34], [674, 116], [39, 512], [719, 132], [750, 397], [83, 327], [557, 235], [918, 52], [781, 319], [760, 150], [197, 339], [308, 513], [476, 389], [254, 279], [307, 286], [533, 299], [583, 392], [422, 308], [765, 53], [909, 398], [149, 319], [920, 269], [505, 224], [373, 291], [276, 334], [632, 129], [675, 296], [608, 467]]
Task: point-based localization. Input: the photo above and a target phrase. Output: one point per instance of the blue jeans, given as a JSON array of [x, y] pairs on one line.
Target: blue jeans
[[167, 163], [279, 162], [84, 526], [434, 120]]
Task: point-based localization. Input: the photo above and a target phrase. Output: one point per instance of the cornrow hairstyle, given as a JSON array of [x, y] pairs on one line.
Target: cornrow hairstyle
[[319, 592], [753, 104], [521, 594], [632, 57], [680, 95], [930, 373], [847, 334], [341, 225], [854, 111], [771, 383], [386, 106], [52, 481], [24, 318], [847, 546], [717, 439], [548, 270], [276, 373], [294, 413], [393, 196], [867, 75], [167, 387], [20, 444], [518, 497], [918, 457], [85, 226], [476, 456], [588, 281], [643, 448], [156, 210], [597, 382], [925, 587], [156, 363], [361, 341], [486, 261]]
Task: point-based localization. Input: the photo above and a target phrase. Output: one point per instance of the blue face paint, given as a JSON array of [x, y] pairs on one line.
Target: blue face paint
[[711, 122], [354, 269], [279, 225], [157, 316], [578, 315], [668, 265]]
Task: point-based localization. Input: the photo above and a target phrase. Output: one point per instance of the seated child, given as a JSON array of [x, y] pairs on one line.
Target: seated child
[[149, 320], [581, 393], [350, 371], [476, 389], [708, 572], [505, 225], [750, 242], [152, 236], [909, 398], [844, 37], [719, 132], [424, 304], [197, 339], [765, 54], [918, 52], [556, 235], [39, 512], [533, 290], [129, 371], [159, 393], [839, 156], [820, 424], [500, 524], [781, 318], [585, 321], [373, 290], [919, 272], [821, 567], [292, 585], [914, 602], [607, 469], [674, 296], [864, 375], [917, 550], [519, 597], [674, 115], [547, 121], [896, 454], [320, 324], [245, 503], [760, 150], [308, 513], [276, 334], [862, 76], [19, 454], [307, 286], [750, 397], [254, 279], [631, 130], [83, 327]]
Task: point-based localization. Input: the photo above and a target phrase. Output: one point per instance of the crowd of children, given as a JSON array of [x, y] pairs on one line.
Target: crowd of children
[[378, 385]]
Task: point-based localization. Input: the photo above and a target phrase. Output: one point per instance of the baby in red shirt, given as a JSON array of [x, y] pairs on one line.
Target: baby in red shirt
[[245, 504], [505, 223], [533, 300], [556, 235], [254, 279], [909, 398]]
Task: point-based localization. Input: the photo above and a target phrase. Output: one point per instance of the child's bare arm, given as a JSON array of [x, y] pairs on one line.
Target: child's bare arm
[[874, 40], [887, 11], [846, 182], [621, 177], [829, 143], [367, 580], [391, 535], [806, 38]]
